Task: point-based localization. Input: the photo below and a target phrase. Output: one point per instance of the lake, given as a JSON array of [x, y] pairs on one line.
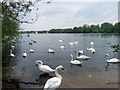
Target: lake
[[91, 74]]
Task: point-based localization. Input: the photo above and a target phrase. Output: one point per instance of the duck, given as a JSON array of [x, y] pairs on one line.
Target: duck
[[50, 50], [54, 82], [113, 60], [11, 54], [44, 68], [24, 54], [83, 57], [75, 62]]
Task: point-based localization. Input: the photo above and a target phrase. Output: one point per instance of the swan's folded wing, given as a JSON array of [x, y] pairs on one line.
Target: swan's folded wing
[[46, 68], [52, 83]]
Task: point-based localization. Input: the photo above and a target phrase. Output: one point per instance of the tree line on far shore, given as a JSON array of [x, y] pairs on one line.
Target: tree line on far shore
[[103, 28]]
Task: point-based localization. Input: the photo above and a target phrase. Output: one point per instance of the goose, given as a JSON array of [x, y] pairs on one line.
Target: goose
[[31, 50], [74, 62], [54, 82], [62, 47], [11, 54], [83, 57], [24, 54], [44, 68], [50, 51], [113, 60]]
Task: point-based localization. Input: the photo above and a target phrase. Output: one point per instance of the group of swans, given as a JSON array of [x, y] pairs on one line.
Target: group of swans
[[54, 82], [74, 61]]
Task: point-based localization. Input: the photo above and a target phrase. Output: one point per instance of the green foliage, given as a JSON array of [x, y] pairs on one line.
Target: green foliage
[[12, 12], [115, 47], [104, 28]]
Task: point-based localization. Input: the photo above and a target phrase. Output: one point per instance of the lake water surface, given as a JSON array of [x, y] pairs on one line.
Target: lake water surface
[[91, 74]]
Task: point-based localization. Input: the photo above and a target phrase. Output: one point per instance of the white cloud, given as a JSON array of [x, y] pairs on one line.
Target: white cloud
[[67, 14]]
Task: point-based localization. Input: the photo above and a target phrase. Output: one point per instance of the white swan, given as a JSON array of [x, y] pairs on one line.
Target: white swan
[[113, 60], [24, 54], [44, 68], [76, 42], [31, 50], [84, 57], [75, 62], [91, 43], [61, 40], [11, 54], [91, 49], [71, 43], [50, 50], [62, 47], [54, 82], [81, 51]]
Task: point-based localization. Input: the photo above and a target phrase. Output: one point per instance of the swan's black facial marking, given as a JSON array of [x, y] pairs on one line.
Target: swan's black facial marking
[[62, 69]]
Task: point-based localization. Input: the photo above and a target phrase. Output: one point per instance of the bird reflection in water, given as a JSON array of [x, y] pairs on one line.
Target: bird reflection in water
[[43, 78]]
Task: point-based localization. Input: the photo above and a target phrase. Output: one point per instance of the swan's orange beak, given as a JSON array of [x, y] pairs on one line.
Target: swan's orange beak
[[62, 69]]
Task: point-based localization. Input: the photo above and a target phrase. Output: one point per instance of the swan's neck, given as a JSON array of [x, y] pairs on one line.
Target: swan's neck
[[57, 74], [71, 58], [10, 51]]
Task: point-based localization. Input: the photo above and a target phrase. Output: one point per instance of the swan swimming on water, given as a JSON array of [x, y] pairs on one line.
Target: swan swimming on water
[[83, 57], [113, 60], [31, 50], [75, 62], [62, 47], [44, 68], [24, 54], [50, 50], [54, 82]]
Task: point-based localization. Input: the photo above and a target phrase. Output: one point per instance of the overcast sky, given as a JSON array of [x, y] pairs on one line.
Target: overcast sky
[[70, 14]]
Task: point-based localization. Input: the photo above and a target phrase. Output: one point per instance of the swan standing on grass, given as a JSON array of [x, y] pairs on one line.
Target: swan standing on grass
[[54, 82], [84, 57], [11, 54], [44, 68], [113, 60], [50, 51], [24, 54], [74, 62]]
